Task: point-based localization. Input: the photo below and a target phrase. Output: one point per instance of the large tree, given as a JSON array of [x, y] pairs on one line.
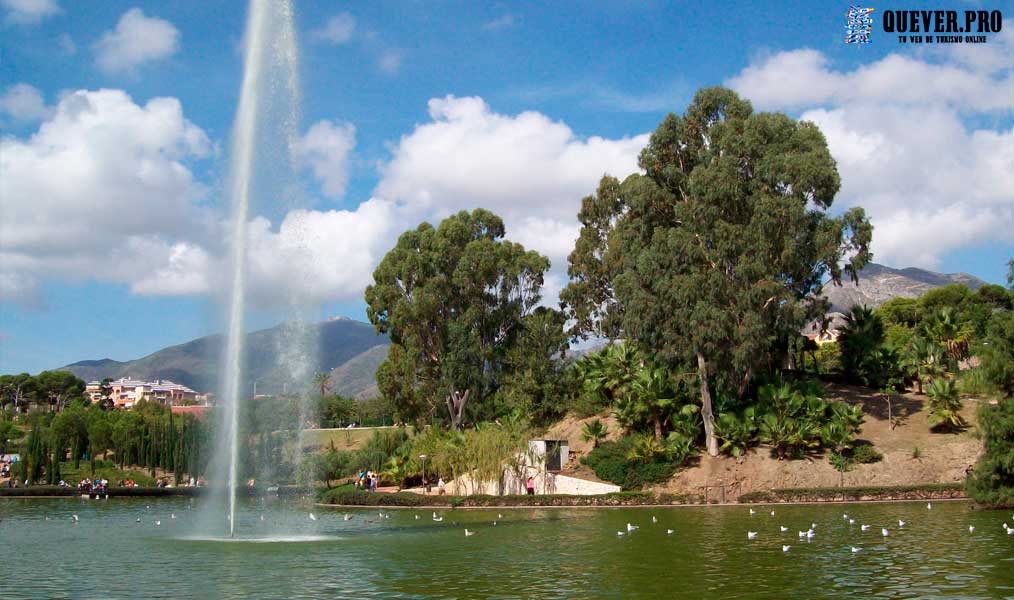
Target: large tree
[[714, 258], [455, 301]]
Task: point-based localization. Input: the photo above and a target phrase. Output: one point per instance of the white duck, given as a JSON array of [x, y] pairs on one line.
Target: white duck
[[751, 535]]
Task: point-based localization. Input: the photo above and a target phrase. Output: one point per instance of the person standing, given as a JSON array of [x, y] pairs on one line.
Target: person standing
[[530, 485]]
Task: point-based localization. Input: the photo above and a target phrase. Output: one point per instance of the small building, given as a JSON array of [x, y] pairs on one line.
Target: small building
[[825, 330], [543, 462]]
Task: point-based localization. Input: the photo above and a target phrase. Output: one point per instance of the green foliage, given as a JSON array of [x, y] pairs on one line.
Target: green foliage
[[631, 462], [998, 354], [794, 423], [336, 410], [594, 432], [866, 454], [992, 480], [828, 357], [893, 492], [861, 341], [946, 328], [9, 432], [916, 453], [459, 304], [923, 359], [52, 389], [903, 312], [737, 432], [147, 437], [945, 405], [712, 259]]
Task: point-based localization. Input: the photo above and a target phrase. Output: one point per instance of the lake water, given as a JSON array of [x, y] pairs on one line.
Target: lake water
[[537, 553]]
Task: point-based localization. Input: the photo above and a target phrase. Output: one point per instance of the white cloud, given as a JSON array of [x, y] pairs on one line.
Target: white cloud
[[336, 30], [907, 136], [529, 169], [24, 103], [325, 149], [137, 39], [801, 78], [390, 61], [27, 12], [101, 191], [317, 256]]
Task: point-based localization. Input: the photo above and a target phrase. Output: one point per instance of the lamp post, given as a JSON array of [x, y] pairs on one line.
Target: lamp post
[[426, 483]]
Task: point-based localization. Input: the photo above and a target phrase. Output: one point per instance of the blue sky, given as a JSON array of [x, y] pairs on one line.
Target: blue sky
[[413, 110]]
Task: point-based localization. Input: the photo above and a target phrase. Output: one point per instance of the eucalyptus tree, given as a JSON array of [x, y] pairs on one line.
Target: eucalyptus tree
[[455, 301], [717, 255]]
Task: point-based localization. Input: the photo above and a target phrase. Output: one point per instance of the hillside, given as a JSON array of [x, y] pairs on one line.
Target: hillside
[[878, 284], [268, 351], [941, 458]]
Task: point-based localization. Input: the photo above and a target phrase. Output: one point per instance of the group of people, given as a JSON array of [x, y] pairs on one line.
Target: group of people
[[96, 486], [5, 465], [367, 480]]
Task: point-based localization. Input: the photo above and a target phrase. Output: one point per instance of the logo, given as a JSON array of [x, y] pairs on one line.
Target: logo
[[858, 24]]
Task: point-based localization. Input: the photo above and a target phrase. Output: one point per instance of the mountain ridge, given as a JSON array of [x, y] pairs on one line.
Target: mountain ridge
[[268, 359]]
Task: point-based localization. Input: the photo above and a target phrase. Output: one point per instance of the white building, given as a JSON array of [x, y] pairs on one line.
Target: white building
[[127, 392]]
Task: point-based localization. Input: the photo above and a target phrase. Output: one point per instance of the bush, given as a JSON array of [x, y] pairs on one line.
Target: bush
[[866, 454], [611, 462], [992, 480], [895, 492]]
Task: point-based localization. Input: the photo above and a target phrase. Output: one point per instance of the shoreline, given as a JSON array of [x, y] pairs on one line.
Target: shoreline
[[614, 506]]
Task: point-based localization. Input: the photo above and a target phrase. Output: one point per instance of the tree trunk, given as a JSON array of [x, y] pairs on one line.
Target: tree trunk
[[658, 428], [707, 415], [455, 406]]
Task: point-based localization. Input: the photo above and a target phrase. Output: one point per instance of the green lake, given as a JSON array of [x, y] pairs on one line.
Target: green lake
[[529, 553]]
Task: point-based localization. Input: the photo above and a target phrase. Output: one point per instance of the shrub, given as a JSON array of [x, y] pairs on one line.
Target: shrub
[[611, 462], [945, 405], [736, 432], [894, 492], [866, 454]]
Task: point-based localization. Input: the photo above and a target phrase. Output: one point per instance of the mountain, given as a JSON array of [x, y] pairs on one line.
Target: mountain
[[357, 376], [272, 358], [878, 284]]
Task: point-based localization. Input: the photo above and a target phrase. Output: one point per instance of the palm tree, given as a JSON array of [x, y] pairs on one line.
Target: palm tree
[[859, 340], [612, 371], [944, 328], [924, 360], [646, 449], [323, 381], [654, 394], [945, 405], [594, 432]]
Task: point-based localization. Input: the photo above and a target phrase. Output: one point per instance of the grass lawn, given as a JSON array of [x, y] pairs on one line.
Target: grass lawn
[[104, 469], [343, 439]]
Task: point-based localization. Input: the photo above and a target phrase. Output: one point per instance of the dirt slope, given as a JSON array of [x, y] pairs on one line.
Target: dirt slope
[[943, 457]]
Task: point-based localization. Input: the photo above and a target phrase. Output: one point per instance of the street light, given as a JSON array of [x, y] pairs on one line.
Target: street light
[[426, 484]]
